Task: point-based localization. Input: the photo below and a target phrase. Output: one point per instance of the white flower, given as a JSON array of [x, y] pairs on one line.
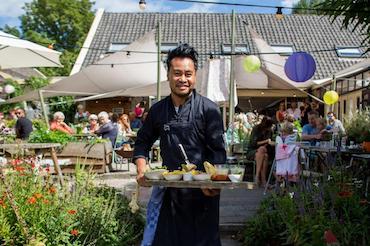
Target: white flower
[[291, 194]]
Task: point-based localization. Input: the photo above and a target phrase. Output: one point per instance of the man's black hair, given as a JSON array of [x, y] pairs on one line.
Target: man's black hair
[[185, 51]]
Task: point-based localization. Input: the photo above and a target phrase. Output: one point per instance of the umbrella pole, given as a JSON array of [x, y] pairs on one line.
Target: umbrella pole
[[159, 61], [231, 86], [44, 108]]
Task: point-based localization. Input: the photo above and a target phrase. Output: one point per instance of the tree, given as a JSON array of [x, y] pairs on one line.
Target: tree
[[305, 7], [64, 24], [353, 14], [11, 30]]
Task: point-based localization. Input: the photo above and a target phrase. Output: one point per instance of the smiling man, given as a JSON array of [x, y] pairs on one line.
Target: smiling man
[[185, 216]]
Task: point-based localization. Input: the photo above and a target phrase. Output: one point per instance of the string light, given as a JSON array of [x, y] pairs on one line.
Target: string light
[[279, 13], [142, 4]]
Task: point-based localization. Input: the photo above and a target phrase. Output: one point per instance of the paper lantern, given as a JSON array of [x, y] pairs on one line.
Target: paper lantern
[[300, 67], [331, 97], [251, 64], [9, 89]]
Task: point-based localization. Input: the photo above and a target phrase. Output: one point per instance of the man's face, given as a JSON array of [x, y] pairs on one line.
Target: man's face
[[294, 105], [331, 117], [182, 76], [19, 113], [312, 120], [103, 120]]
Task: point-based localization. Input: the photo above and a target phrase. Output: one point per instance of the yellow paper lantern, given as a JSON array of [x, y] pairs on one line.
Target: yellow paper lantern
[[331, 97], [251, 64]]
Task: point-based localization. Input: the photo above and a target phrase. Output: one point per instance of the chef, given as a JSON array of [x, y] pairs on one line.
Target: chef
[[186, 216]]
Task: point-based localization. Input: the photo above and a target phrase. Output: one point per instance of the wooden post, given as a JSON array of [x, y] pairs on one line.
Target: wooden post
[[57, 169], [44, 108], [159, 61]]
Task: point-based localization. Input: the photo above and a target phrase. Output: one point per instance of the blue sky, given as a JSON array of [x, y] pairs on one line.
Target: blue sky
[[10, 10]]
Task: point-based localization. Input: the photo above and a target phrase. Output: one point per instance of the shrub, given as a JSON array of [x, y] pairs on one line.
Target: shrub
[[82, 214]]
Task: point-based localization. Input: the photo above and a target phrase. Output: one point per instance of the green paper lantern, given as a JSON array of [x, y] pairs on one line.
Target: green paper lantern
[[251, 64]]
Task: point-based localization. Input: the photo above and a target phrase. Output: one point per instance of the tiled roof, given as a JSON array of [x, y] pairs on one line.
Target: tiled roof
[[207, 31]]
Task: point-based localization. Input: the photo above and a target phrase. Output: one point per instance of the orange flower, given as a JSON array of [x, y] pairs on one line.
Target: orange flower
[[72, 211], [31, 200], [2, 203], [37, 195], [74, 232], [52, 189], [19, 169], [45, 201]]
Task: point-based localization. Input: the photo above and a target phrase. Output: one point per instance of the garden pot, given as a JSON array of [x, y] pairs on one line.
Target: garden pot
[[366, 146]]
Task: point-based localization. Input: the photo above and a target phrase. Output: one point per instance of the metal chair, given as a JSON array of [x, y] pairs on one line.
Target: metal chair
[[119, 155]]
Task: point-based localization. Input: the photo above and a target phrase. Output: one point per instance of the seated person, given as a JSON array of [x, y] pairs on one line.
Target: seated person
[[58, 123], [23, 126], [322, 126], [287, 154], [336, 125], [135, 123], [310, 131], [107, 129], [93, 124], [81, 115], [260, 148]]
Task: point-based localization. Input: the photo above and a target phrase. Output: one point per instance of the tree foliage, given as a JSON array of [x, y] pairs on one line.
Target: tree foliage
[[11, 30], [305, 6], [64, 24]]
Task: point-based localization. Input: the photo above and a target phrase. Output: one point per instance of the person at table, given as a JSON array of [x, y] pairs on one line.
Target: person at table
[[135, 123], [310, 131], [124, 126], [81, 115], [93, 124], [107, 129], [186, 216], [335, 124], [58, 123], [280, 113], [261, 148], [23, 126], [293, 110]]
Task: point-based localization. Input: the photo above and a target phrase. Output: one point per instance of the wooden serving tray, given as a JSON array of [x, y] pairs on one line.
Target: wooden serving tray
[[202, 184]]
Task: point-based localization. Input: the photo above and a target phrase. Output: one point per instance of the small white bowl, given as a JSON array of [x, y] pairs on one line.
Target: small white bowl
[[188, 176], [202, 177], [172, 177], [235, 178], [155, 174]]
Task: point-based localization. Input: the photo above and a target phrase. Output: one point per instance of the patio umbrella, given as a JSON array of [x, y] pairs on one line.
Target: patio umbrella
[[16, 52], [134, 66]]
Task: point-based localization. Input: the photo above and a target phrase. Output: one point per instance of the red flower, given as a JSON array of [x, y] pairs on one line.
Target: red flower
[[45, 201], [31, 200], [47, 169], [330, 237], [74, 232], [72, 211], [33, 165], [2, 203], [345, 194]]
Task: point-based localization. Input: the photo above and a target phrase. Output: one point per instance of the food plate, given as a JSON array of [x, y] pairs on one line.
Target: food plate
[[202, 177], [208, 184], [155, 174], [172, 177]]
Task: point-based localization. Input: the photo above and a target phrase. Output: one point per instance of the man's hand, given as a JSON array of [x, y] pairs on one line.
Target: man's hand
[[140, 179], [211, 192]]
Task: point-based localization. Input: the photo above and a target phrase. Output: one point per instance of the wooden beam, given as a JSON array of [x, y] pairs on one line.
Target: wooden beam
[[269, 93]]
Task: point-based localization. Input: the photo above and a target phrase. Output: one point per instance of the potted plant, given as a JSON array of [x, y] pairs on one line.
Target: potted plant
[[357, 128]]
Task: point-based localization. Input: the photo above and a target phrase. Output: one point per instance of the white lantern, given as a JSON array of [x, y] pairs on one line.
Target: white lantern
[[9, 89]]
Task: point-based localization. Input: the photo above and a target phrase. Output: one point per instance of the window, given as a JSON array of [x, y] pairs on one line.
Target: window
[[114, 47], [166, 47], [239, 49], [284, 50], [350, 52], [344, 106]]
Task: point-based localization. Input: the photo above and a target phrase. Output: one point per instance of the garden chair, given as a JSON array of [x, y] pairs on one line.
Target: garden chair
[[120, 156]]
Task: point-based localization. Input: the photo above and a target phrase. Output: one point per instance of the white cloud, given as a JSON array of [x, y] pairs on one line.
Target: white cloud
[[289, 3], [130, 6], [12, 8], [197, 8]]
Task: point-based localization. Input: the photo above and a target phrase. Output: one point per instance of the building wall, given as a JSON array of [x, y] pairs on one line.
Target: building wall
[[116, 104]]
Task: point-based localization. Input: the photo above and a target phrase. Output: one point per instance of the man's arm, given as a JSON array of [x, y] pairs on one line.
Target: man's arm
[[144, 141], [309, 137], [215, 151]]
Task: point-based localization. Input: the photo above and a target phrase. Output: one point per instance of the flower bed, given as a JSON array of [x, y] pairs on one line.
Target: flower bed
[[48, 215], [315, 212]]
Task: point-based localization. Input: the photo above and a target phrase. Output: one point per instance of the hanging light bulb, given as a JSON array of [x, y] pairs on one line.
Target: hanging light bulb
[[142, 4], [279, 13]]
